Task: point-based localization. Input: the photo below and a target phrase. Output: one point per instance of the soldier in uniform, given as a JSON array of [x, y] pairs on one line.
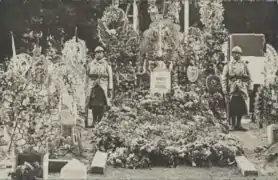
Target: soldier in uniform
[[100, 85], [236, 84]]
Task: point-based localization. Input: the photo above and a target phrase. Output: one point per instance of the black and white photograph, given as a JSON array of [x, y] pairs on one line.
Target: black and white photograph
[[138, 89]]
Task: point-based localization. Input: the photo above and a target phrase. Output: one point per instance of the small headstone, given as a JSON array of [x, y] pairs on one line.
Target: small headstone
[[272, 133], [246, 167], [74, 170], [160, 81], [99, 162]]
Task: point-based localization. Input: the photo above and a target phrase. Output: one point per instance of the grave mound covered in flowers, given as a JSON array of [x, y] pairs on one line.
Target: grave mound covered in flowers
[[178, 130]]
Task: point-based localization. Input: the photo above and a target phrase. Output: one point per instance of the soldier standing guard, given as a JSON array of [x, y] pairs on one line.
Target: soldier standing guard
[[100, 85], [236, 84]]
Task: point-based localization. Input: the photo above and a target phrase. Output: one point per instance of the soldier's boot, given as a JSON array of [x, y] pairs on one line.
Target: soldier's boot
[[238, 124], [95, 117], [86, 118], [232, 124], [100, 113]]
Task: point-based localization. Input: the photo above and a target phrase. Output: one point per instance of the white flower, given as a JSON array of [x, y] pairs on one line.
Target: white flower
[[112, 32]]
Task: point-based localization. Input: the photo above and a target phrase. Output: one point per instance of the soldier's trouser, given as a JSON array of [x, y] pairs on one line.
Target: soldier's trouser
[[236, 121], [237, 110], [98, 112]]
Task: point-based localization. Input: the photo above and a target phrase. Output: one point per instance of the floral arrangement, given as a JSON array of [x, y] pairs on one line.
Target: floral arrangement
[[270, 64], [173, 11], [113, 17], [20, 63], [26, 109], [163, 37], [71, 73], [266, 101], [214, 32], [142, 137], [122, 47]]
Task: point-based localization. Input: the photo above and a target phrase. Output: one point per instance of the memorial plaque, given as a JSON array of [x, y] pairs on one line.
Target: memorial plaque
[[192, 73], [160, 81]]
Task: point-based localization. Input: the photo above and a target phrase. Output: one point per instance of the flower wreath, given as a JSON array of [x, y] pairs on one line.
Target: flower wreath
[[20, 63], [75, 51], [271, 63], [113, 16]]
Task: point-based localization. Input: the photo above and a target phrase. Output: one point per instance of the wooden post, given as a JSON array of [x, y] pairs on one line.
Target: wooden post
[[135, 16], [13, 45], [45, 162], [186, 16]]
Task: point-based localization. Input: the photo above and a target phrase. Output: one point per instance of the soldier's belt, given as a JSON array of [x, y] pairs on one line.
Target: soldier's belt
[[239, 78], [100, 77]]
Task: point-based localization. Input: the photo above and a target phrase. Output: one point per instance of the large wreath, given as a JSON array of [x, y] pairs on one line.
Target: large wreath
[[113, 17], [271, 65], [110, 25]]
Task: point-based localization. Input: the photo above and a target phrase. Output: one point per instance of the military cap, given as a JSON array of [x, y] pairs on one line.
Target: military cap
[[99, 49], [237, 49]]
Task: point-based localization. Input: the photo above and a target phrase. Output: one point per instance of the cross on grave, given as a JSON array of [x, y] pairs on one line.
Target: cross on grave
[[74, 170]]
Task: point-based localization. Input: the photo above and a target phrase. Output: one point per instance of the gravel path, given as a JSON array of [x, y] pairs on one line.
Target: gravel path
[[252, 139]]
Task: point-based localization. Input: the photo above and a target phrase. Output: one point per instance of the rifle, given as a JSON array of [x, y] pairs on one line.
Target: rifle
[[227, 99]]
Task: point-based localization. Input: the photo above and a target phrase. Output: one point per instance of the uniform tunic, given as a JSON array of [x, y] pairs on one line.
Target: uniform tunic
[[237, 81], [99, 83]]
